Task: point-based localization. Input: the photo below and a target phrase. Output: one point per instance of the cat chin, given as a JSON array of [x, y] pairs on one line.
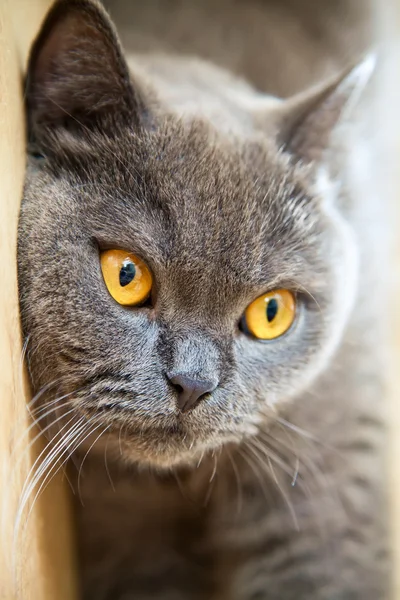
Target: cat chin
[[159, 455], [164, 462]]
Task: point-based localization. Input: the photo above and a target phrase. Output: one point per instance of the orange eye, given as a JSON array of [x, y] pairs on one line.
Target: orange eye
[[126, 276], [270, 315]]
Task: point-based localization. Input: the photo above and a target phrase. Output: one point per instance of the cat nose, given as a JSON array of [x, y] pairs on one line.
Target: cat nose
[[190, 390]]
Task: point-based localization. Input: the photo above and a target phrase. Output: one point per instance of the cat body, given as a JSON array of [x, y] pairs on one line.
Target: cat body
[[273, 486]]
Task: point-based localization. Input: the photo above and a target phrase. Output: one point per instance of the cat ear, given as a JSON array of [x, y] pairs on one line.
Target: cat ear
[[304, 124], [77, 75]]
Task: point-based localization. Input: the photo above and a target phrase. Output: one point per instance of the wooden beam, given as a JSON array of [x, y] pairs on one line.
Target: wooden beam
[[38, 565]]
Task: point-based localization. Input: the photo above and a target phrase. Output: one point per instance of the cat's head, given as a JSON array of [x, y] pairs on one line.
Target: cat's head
[[219, 221]]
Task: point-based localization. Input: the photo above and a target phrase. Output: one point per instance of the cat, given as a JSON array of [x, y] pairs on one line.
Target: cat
[[197, 264]]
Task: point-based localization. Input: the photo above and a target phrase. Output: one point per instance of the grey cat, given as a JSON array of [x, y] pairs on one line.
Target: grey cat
[[220, 388]]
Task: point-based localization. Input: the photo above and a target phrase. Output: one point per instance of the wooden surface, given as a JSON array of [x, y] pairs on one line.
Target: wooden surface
[[39, 565]]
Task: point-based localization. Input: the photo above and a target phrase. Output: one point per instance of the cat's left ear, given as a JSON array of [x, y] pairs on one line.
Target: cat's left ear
[[77, 76], [304, 124]]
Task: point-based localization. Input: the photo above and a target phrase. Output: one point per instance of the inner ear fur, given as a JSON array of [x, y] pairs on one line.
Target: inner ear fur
[[77, 73]]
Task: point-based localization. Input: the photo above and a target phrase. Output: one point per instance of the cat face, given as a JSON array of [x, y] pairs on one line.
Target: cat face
[[218, 220]]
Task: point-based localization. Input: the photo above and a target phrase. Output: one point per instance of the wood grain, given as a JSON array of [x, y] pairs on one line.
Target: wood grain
[[39, 564]]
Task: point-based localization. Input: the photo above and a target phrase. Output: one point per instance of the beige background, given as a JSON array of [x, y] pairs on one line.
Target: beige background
[[44, 568], [390, 172]]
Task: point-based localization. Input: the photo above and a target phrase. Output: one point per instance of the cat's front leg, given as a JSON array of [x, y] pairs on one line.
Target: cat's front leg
[[310, 578], [302, 542], [350, 564]]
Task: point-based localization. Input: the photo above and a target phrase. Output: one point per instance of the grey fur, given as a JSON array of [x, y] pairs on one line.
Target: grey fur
[[244, 194]]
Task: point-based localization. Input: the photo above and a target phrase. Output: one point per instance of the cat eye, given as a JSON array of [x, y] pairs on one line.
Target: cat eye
[[126, 276], [270, 316]]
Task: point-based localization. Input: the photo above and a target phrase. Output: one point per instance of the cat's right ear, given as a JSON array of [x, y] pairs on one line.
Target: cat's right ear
[[77, 76], [305, 125]]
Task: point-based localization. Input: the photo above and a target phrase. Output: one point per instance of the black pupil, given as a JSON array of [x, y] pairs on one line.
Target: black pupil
[[127, 273], [272, 309]]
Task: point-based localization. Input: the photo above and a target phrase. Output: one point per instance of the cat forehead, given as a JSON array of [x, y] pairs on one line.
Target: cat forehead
[[182, 196], [190, 167]]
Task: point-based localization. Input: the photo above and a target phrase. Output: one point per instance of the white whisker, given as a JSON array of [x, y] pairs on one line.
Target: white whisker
[[237, 479], [106, 464], [35, 423], [84, 458], [284, 496], [32, 480], [255, 470]]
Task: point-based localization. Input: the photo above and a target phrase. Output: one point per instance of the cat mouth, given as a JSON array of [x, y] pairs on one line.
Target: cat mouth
[[164, 437], [161, 446]]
